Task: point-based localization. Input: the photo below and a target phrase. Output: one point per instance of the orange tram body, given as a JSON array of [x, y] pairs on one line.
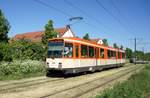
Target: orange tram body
[[75, 55]]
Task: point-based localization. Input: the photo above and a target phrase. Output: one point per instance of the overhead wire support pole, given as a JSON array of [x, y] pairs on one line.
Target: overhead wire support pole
[[135, 52], [143, 54]]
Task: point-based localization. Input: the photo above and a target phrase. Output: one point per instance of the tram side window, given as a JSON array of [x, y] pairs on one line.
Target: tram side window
[[123, 55], [113, 54], [84, 51], [109, 54], [68, 50], [102, 53], [91, 52], [77, 50]]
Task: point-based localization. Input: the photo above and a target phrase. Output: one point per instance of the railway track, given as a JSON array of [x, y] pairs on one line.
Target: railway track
[[54, 86], [90, 85], [16, 86], [13, 86], [22, 82], [105, 83]]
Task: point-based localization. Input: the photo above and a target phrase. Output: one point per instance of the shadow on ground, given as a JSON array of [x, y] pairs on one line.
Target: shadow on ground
[[60, 74]]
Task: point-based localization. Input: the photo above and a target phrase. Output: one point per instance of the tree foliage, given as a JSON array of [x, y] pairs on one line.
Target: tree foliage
[[121, 47], [22, 49], [115, 45], [105, 42], [49, 32], [4, 27], [86, 36], [147, 56], [139, 55], [129, 53], [25, 49], [5, 52]]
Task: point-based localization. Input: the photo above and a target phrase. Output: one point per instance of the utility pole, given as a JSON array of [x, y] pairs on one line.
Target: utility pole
[[143, 54], [135, 51]]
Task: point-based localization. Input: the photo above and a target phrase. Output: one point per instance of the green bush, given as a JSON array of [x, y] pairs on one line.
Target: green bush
[[22, 50], [5, 52], [19, 59], [21, 69], [137, 86]]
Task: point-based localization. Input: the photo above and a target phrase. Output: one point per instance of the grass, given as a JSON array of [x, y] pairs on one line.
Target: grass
[[137, 86], [21, 69]]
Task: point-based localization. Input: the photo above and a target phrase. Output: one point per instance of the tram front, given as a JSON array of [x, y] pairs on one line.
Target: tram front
[[55, 54]]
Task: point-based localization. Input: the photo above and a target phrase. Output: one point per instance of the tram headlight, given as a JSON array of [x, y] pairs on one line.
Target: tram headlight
[[59, 65], [47, 64]]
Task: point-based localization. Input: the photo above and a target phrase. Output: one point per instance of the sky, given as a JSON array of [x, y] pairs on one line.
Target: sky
[[119, 21]]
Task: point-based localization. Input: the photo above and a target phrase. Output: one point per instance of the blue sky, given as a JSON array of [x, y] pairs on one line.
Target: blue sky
[[131, 18]]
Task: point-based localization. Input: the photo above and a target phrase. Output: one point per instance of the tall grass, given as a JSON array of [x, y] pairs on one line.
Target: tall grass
[[137, 86], [20, 69]]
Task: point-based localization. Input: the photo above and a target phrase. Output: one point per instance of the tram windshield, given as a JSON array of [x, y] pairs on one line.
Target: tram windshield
[[55, 49]]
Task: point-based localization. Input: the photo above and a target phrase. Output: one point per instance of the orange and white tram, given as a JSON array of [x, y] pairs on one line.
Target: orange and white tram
[[74, 55]]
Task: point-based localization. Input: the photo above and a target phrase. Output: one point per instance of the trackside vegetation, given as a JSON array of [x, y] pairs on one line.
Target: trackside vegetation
[[137, 86], [21, 69], [22, 58]]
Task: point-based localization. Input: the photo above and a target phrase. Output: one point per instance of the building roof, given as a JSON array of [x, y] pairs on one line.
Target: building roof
[[96, 39], [37, 35]]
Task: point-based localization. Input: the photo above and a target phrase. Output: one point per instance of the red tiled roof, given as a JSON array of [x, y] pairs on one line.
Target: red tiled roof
[[37, 36], [96, 39], [61, 31]]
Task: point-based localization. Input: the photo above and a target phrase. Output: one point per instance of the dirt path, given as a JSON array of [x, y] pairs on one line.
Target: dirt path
[[56, 87]]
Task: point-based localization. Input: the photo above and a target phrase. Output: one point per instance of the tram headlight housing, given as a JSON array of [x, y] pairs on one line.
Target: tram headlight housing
[[59, 65], [47, 64]]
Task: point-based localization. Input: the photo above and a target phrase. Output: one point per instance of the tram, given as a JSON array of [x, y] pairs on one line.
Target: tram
[[75, 55]]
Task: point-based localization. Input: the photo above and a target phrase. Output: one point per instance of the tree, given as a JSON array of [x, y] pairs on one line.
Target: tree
[[147, 56], [5, 52], [86, 36], [121, 47], [24, 49], [129, 53], [49, 32], [105, 43], [139, 55], [4, 28], [115, 45]]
